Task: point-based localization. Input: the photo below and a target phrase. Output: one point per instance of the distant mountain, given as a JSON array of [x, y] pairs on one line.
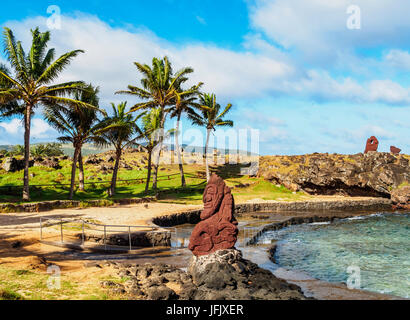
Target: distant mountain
[[6, 147], [88, 149]]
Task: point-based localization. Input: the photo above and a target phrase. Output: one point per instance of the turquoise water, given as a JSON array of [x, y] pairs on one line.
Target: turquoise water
[[379, 245]]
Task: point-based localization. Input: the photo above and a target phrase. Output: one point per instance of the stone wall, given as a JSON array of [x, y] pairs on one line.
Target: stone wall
[[193, 216], [138, 239], [65, 204]]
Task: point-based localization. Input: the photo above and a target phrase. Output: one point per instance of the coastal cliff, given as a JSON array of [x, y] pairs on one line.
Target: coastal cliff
[[374, 174]]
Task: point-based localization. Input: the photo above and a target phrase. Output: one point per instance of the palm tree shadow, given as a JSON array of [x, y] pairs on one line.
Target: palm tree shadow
[[227, 171]]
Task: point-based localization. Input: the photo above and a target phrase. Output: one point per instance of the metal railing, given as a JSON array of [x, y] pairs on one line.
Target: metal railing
[[103, 228], [251, 235]]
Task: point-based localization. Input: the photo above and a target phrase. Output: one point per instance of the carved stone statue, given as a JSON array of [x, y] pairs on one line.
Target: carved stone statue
[[218, 229], [395, 150], [372, 144]]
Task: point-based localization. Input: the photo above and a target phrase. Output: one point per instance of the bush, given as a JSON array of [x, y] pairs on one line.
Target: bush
[[17, 150], [7, 294], [47, 150]]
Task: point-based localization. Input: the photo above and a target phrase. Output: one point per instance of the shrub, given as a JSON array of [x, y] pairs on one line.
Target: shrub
[[47, 150]]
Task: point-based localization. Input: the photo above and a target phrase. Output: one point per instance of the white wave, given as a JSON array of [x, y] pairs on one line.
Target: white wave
[[319, 223]]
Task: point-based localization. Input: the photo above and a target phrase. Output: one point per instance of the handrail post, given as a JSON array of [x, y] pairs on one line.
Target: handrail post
[[105, 237], [41, 230], [61, 228], [129, 237], [83, 236]]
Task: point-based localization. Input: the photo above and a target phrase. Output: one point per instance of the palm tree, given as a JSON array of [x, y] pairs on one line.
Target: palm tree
[[159, 87], [211, 118], [185, 102], [148, 132], [17, 150], [118, 130], [33, 84], [79, 126]]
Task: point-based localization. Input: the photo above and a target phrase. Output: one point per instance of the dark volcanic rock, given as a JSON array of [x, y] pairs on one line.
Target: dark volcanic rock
[[401, 198], [110, 158], [225, 275], [93, 159], [14, 165], [220, 276], [48, 163], [371, 174]]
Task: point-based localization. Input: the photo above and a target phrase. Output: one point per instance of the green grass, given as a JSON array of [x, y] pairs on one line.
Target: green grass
[[8, 294], [32, 285], [169, 187]]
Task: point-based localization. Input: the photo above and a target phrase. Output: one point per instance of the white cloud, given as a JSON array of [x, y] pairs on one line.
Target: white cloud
[[13, 127], [110, 53], [259, 70], [366, 131], [40, 129], [317, 28], [201, 20], [399, 59]]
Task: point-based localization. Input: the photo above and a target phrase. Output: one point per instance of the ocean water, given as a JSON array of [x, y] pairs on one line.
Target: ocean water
[[373, 249]]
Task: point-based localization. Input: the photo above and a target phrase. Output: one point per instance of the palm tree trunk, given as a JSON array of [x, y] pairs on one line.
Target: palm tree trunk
[[27, 127], [149, 171], [73, 169], [158, 155], [111, 192], [208, 174], [81, 171], [181, 165]]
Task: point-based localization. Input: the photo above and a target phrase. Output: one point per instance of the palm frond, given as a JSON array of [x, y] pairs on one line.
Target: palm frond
[[11, 54], [53, 71]]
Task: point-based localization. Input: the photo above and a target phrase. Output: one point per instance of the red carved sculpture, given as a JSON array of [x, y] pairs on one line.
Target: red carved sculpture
[[218, 229], [395, 150], [372, 144]]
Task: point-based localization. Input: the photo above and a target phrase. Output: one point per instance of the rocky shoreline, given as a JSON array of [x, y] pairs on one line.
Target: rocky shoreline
[[374, 174], [223, 275], [311, 288]]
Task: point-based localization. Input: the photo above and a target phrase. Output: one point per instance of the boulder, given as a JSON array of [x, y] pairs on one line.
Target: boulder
[[225, 275], [401, 198], [110, 158], [48, 163], [125, 166], [93, 159], [14, 165], [221, 275], [105, 168]]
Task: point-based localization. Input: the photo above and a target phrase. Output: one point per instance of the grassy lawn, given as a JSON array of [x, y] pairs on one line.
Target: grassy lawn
[[33, 285], [97, 182]]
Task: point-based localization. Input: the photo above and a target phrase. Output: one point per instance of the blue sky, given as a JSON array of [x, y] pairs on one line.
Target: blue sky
[[291, 68]]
